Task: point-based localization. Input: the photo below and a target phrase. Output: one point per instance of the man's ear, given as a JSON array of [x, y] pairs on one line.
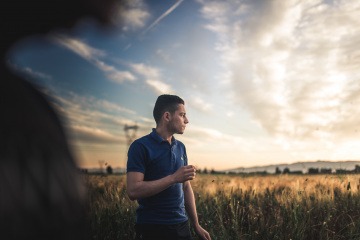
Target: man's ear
[[167, 116]]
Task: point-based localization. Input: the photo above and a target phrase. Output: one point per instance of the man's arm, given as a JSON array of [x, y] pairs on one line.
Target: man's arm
[[138, 188], [190, 207]]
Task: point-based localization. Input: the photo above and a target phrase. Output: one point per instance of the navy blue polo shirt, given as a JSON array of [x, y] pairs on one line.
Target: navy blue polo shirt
[[157, 158]]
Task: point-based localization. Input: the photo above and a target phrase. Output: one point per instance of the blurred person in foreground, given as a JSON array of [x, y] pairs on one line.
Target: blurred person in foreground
[[158, 177], [41, 193]]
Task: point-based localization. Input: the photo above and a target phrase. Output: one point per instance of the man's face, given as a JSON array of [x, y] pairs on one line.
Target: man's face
[[178, 120]]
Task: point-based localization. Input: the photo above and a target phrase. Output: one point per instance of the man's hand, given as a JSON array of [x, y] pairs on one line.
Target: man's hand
[[202, 233], [184, 174]]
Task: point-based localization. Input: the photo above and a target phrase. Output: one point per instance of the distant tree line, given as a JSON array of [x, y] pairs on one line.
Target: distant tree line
[[319, 171], [286, 170], [108, 171]]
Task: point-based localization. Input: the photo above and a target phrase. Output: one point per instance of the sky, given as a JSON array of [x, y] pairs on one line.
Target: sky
[[264, 81]]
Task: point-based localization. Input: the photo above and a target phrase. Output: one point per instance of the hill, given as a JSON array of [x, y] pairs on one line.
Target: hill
[[299, 166]]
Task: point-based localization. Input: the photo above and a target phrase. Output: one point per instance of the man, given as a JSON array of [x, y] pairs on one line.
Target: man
[[158, 176]]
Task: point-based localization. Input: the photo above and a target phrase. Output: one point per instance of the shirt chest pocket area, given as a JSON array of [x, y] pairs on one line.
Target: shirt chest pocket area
[[177, 160], [166, 162]]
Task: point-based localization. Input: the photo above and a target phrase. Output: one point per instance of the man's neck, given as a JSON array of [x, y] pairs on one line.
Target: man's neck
[[164, 134]]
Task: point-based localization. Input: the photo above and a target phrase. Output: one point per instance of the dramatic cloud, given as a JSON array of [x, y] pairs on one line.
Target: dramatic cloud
[[93, 55], [293, 65], [151, 74]]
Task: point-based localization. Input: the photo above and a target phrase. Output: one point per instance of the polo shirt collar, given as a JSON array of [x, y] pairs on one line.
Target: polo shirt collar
[[159, 139]]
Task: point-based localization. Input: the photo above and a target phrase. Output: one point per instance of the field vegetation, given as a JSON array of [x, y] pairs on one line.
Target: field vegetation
[[244, 207]]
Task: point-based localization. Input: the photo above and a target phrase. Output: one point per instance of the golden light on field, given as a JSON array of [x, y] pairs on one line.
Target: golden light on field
[[246, 207]]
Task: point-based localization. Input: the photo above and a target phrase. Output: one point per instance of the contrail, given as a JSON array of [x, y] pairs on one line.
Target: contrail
[[172, 8]]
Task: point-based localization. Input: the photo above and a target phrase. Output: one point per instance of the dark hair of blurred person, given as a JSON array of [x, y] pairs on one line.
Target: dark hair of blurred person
[[41, 193]]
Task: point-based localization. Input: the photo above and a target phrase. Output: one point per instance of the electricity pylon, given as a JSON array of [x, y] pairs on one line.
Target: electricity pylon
[[130, 134]]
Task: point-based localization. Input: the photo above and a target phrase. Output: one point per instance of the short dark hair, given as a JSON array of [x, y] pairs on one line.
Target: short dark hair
[[166, 103]]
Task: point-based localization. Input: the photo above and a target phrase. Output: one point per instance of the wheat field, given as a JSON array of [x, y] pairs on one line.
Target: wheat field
[[244, 207]]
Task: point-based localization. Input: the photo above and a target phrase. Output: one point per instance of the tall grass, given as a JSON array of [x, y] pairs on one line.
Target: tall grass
[[235, 207], [111, 213]]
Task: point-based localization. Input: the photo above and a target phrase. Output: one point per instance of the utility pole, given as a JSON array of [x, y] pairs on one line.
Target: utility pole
[[101, 163], [130, 134]]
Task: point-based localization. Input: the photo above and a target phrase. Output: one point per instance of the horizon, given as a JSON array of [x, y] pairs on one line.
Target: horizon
[[263, 81], [250, 167]]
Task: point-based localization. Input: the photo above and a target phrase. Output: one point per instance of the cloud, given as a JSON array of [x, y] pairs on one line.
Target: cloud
[[151, 74], [84, 134], [146, 71], [152, 77], [230, 114], [73, 100], [164, 56], [159, 87], [30, 72], [200, 105], [206, 137], [135, 15], [93, 55], [147, 120], [94, 121], [79, 47], [293, 65], [36, 74]]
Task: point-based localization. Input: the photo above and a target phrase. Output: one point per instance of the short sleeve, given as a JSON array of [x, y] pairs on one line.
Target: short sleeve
[[136, 158]]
